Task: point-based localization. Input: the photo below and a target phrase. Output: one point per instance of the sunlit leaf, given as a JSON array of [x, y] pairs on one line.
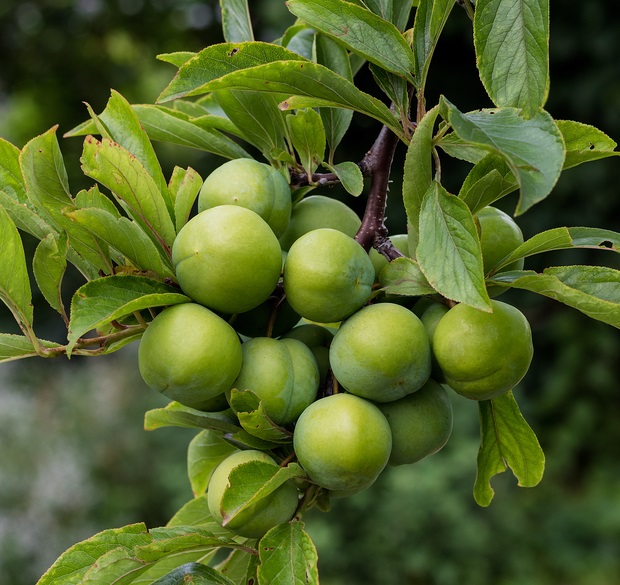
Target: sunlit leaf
[[236, 22], [506, 441]]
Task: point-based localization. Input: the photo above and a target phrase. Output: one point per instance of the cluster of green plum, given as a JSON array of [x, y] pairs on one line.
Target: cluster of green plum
[[285, 306]]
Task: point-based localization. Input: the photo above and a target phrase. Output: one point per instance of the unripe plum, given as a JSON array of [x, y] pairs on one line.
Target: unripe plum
[[277, 507], [379, 261], [227, 258], [421, 423], [499, 236], [282, 373], [251, 184], [483, 355], [190, 355], [327, 276], [381, 353], [318, 339], [343, 442], [319, 211]]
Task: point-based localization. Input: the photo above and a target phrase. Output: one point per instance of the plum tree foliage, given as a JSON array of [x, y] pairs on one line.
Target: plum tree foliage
[[312, 348]]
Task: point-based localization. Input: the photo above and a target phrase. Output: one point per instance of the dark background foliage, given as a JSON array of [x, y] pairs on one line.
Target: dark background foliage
[[73, 456]]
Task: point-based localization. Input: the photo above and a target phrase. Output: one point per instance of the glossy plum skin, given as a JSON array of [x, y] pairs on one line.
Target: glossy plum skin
[[256, 520], [381, 353], [227, 258], [282, 373], [499, 236], [343, 442], [190, 355], [327, 276], [319, 211], [421, 423], [251, 184], [483, 355]]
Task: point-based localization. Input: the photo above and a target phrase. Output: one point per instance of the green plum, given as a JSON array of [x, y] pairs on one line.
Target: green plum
[[318, 339], [430, 317], [381, 353], [282, 373], [483, 355], [499, 236], [327, 276], [319, 211], [227, 258], [190, 355], [379, 261], [343, 442], [421, 423], [276, 508], [251, 184]]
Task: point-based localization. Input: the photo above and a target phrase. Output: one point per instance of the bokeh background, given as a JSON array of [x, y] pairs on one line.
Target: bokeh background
[[74, 458]]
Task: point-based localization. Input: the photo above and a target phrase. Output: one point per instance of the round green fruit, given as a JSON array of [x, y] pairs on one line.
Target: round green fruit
[[318, 339], [282, 373], [343, 442], [499, 236], [251, 184], [421, 423], [327, 276], [319, 211], [253, 522], [482, 354], [430, 317], [379, 261], [227, 258], [190, 355], [381, 353]]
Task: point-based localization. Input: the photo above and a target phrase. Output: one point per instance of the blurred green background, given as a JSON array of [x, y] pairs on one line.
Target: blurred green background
[[73, 456]]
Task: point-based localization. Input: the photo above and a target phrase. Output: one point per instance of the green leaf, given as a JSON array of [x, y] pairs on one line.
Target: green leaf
[[257, 116], [584, 143], [13, 194], [394, 87], [195, 573], [506, 441], [511, 38], [336, 121], [236, 22], [110, 298], [449, 251], [48, 190], [308, 138], [252, 481], [177, 415], [240, 567], [116, 168], [127, 237], [533, 148], [430, 19], [177, 58], [361, 31], [118, 566], [219, 60], [418, 171], [402, 276], [489, 180], [170, 125], [593, 290], [49, 264], [204, 453], [253, 418], [119, 122], [562, 238], [350, 177], [15, 290], [184, 187], [72, 565], [287, 556], [395, 11], [196, 513], [15, 347], [311, 85]]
